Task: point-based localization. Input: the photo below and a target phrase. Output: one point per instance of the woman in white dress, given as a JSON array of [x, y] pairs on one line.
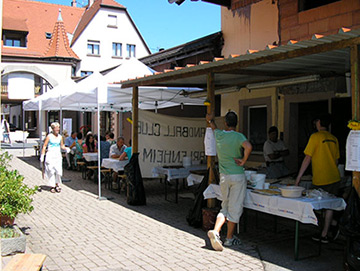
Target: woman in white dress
[[53, 161]]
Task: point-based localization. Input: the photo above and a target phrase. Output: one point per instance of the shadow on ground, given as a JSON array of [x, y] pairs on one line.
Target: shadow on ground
[[272, 240]]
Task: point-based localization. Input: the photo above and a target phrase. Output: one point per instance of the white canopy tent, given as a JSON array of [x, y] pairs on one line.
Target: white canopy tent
[[98, 93]]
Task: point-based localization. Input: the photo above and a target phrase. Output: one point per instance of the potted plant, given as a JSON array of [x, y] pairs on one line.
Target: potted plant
[[15, 196]]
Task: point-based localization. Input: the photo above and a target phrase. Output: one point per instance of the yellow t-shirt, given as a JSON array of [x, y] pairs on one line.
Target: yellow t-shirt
[[323, 148]]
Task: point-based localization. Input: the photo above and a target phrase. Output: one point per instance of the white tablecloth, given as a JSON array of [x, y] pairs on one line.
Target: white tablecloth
[[301, 209], [175, 173], [90, 156], [114, 164]]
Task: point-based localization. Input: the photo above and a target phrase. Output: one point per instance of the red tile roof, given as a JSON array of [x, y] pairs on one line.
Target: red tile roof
[[59, 42], [90, 13], [38, 18]]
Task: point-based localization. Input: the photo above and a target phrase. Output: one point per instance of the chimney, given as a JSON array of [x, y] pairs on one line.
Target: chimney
[[73, 3]]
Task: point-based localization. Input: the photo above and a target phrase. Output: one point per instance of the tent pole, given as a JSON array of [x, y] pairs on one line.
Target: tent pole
[[23, 130], [40, 129], [135, 119], [354, 60], [211, 110]]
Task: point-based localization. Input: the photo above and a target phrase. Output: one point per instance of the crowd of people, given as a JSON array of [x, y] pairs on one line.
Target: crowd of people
[[74, 147]]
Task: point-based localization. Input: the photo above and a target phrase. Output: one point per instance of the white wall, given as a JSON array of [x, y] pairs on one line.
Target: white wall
[[98, 30], [57, 72]]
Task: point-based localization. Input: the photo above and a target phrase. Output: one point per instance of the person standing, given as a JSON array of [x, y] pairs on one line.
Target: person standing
[[229, 145], [322, 151], [53, 160], [274, 151], [6, 131]]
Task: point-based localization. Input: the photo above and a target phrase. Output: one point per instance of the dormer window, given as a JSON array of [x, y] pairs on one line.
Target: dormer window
[[112, 21], [13, 38], [48, 35]]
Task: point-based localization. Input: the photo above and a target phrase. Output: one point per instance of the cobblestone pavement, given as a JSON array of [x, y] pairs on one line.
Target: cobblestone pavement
[[78, 232]]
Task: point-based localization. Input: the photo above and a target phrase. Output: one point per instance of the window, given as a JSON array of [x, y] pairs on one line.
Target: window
[[14, 38], [309, 4], [93, 47], [130, 48], [48, 35], [85, 73], [257, 125], [112, 21], [117, 49]]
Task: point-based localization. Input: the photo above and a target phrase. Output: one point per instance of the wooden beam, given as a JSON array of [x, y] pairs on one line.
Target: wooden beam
[[354, 60], [211, 110], [237, 63], [135, 120]]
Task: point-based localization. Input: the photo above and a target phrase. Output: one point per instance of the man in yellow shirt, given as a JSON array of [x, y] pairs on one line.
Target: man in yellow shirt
[[322, 151]]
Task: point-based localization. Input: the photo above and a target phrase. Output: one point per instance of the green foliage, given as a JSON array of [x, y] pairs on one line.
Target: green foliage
[[8, 232], [15, 196]]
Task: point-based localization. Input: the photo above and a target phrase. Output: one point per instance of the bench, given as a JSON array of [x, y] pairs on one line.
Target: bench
[[26, 262], [37, 150]]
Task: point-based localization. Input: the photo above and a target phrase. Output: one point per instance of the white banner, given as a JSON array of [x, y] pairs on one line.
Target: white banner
[[67, 125], [165, 140]]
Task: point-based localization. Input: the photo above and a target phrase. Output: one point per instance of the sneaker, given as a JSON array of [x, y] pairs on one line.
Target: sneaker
[[318, 237], [335, 231], [215, 240], [235, 241]]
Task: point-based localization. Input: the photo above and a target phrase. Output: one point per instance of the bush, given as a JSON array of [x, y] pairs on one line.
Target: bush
[[15, 196]]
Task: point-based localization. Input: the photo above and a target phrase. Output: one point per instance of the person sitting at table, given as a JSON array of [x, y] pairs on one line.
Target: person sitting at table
[[274, 151], [127, 153], [110, 138], [117, 149], [89, 145], [70, 142], [104, 148], [115, 152], [78, 149]]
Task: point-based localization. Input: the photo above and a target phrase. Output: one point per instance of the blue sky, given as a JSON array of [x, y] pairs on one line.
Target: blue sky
[[165, 25]]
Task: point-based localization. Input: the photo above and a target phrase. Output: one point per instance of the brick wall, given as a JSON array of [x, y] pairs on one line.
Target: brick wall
[[325, 20]]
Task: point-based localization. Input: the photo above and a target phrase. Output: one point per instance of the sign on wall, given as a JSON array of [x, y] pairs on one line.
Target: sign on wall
[[67, 125], [165, 140]]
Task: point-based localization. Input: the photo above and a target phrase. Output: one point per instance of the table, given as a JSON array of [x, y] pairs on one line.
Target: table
[[90, 156], [175, 173], [298, 209], [114, 164]]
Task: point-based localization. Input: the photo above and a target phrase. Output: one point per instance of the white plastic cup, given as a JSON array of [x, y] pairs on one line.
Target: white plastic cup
[[266, 185]]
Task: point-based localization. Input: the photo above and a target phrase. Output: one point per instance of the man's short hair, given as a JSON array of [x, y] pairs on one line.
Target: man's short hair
[[73, 132], [231, 119], [120, 138], [111, 135], [325, 120], [273, 129]]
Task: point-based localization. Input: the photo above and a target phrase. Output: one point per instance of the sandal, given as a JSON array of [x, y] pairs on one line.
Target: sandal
[[58, 189], [53, 190]]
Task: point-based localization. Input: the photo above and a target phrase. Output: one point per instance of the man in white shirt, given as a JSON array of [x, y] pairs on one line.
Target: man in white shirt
[[115, 152], [274, 152]]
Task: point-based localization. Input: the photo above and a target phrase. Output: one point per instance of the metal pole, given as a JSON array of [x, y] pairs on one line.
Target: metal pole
[[23, 130], [98, 130], [40, 129]]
